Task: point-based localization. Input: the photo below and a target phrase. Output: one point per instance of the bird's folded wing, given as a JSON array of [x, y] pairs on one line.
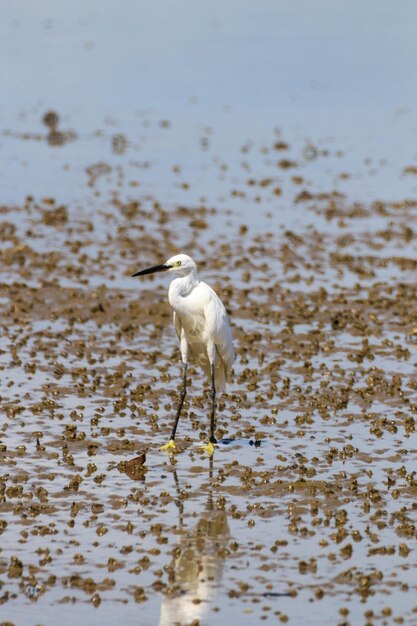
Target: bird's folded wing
[[218, 325]]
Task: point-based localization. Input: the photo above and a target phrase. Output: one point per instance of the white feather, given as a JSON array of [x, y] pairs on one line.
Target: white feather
[[201, 320]]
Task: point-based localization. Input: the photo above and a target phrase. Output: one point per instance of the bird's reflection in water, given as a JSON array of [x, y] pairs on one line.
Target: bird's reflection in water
[[197, 565]]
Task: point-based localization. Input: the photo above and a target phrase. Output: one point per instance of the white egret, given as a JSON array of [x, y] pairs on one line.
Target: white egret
[[202, 326]]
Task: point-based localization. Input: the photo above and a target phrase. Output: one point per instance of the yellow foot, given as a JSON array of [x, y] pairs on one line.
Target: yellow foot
[[209, 448], [169, 446]]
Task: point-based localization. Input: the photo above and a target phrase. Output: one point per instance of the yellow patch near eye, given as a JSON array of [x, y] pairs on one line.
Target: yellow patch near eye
[[177, 263]]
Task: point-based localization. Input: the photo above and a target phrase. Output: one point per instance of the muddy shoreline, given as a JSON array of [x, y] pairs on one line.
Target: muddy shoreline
[[321, 511]]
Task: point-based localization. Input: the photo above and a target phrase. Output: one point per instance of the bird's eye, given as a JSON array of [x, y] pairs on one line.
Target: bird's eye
[[177, 263]]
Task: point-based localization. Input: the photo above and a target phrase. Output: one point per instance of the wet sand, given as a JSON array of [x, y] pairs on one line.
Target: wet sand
[[277, 148], [308, 505]]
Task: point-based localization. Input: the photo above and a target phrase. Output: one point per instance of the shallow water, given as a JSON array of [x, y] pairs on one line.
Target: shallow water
[[289, 174]]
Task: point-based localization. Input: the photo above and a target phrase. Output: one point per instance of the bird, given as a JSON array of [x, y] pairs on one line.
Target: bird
[[202, 325]]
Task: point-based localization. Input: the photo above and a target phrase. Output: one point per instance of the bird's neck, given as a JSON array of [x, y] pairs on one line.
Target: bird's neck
[[181, 287]]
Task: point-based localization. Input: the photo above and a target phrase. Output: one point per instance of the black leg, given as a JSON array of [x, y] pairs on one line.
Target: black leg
[[182, 398], [213, 408]]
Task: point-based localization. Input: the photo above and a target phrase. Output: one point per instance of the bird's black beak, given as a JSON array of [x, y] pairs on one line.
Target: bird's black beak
[[152, 270]]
